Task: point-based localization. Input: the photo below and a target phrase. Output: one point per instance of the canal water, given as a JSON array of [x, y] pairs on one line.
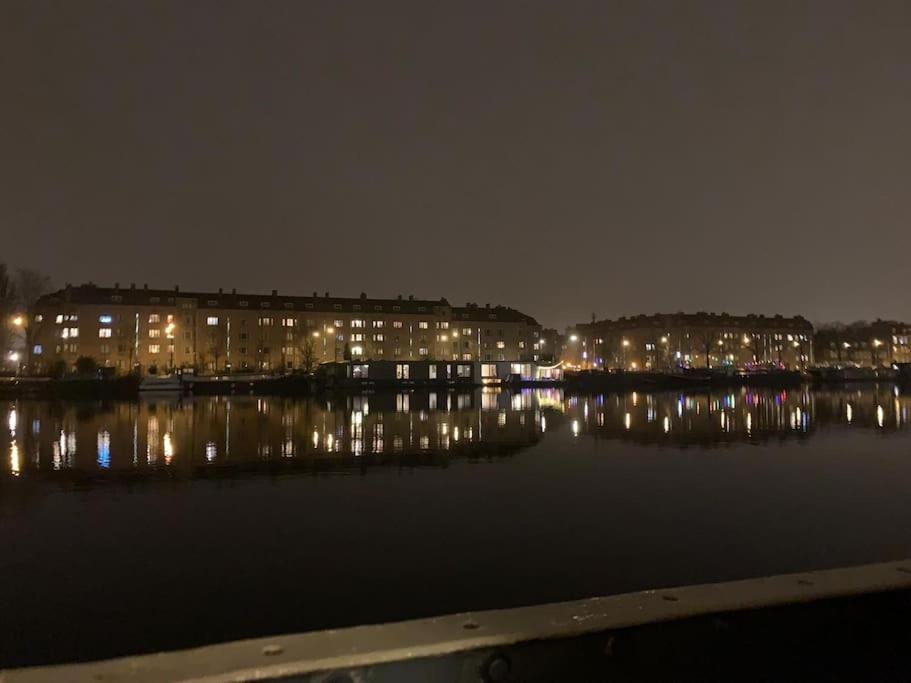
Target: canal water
[[130, 527]]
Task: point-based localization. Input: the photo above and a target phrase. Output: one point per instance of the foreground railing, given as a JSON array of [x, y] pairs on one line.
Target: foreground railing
[[842, 624]]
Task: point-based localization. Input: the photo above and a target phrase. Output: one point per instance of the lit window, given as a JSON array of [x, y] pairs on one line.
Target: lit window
[[37, 349], [289, 322], [105, 319], [104, 332], [339, 323], [501, 345], [154, 318], [59, 319], [423, 351], [433, 371], [378, 338], [154, 348], [357, 337], [357, 323], [265, 322], [423, 325], [212, 320], [152, 333], [443, 325], [69, 332], [357, 350], [397, 324], [401, 371], [466, 331], [378, 323]]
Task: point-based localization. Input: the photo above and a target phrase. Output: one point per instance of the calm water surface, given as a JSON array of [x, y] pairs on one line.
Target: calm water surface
[[161, 524]]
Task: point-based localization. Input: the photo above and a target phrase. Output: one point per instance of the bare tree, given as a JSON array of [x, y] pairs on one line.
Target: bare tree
[[32, 285], [8, 301], [308, 354]]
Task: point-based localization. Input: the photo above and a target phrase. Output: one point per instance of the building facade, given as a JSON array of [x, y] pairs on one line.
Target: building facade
[[155, 330], [876, 344], [681, 340]]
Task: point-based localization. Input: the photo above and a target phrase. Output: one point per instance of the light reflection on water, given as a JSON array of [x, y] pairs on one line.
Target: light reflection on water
[[208, 546], [44, 436]]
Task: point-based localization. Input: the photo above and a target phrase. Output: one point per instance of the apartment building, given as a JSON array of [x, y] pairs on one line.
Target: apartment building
[[699, 340], [158, 329], [874, 344]]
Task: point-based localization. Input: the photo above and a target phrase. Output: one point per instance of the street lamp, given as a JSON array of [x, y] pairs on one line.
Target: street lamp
[[169, 334]]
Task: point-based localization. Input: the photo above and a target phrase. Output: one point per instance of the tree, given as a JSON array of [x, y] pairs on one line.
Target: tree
[[308, 354], [32, 285], [86, 365], [8, 302], [346, 354]]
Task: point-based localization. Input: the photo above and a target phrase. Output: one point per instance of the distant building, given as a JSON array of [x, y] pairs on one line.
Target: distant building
[[697, 340], [128, 328], [550, 345], [876, 344], [494, 333]]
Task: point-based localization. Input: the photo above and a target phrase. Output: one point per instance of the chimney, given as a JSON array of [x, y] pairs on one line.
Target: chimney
[[363, 295], [220, 291], [274, 292], [411, 297], [176, 289], [327, 295], [145, 286], [314, 295], [132, 285], [116, 285], [233, 290], [400, 297]]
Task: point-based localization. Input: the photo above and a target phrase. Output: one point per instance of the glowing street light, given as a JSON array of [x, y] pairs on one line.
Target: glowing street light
[[574, 337], [19, 321], [626, 342]]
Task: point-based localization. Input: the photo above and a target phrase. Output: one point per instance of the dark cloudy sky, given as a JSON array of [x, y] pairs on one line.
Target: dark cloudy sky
[[561, 157]]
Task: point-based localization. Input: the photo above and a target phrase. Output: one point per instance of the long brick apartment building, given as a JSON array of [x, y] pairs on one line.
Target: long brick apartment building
[[140, 328]]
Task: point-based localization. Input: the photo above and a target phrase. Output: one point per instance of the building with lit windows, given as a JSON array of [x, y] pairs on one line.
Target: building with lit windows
[[682, 340], [129, 328], [876, 344]]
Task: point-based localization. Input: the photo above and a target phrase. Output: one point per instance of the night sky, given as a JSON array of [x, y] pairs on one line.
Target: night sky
[[565, 158]]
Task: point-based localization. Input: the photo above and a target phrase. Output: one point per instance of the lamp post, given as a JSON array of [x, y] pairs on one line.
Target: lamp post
[[19, 321], [169, 335], [875, 352]]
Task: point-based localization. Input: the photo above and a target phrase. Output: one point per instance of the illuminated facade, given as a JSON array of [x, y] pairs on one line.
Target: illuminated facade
[[126, 328], [700, 340], [877, 344]]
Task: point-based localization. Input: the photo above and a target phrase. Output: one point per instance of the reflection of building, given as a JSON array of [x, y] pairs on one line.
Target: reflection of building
[[657, 342], [721, 417], [875, 344], [245, 431], [218, 331]]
